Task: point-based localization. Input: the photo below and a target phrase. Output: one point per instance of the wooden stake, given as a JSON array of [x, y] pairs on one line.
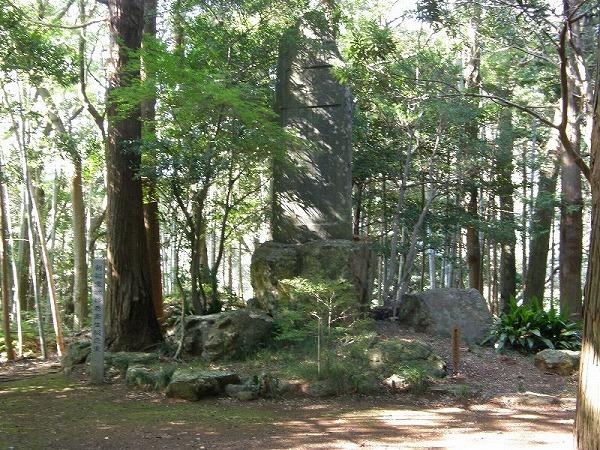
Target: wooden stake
[[455, 350]]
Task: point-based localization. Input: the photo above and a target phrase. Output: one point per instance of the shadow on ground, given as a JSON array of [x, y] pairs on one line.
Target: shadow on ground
[[55, 412]]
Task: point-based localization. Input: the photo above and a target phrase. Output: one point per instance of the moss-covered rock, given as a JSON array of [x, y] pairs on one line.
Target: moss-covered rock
[[192, 384], [77, 353], [561, 362], [149, 378], [231, 334], [122, 360], [396, 356], [335, 260]]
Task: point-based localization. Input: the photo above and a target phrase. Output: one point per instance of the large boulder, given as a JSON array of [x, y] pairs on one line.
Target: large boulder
[[230, 334], [336, 260], [439, 311], [561, 362], [193, 384]]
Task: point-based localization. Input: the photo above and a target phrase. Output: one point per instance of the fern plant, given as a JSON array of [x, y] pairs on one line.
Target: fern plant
[[530, 328]]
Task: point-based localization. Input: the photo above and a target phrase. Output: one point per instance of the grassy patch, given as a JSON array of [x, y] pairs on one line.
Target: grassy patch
[[41, 410]]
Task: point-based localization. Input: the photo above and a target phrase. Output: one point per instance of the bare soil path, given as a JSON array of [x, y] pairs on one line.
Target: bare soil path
[[51, 411]]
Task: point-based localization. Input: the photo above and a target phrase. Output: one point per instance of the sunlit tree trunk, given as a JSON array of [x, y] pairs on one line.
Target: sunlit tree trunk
[[587, 422], [4, 272], [15, 274], [80, 269]]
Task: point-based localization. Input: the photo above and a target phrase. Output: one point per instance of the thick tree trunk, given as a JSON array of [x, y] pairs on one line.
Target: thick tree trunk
[[587, 422], [151, 218], [80, 270], [473, 247], [131, 322], [571, 220], [153, 243], [508, 271]]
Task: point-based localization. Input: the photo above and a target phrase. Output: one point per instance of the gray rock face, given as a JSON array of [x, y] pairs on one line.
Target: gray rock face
[[272, 262], [193, 385], [561, 362], [438, 311], [312, 186], [230, 334]]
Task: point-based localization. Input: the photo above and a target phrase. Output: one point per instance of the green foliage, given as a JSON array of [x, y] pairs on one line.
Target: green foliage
[[417, 379], [31, 343], [25, 48], [306, 302], [529, 328]]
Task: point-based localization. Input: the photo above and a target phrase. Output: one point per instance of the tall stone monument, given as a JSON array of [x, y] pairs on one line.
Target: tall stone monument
[[312, 187]]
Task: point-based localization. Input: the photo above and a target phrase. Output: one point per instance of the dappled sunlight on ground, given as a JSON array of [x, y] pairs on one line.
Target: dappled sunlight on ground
[[116, 418]]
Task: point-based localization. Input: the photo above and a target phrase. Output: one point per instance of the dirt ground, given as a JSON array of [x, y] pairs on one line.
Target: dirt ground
[[516, 407]]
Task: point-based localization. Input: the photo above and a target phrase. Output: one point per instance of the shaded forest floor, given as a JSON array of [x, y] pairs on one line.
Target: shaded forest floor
[[516, 407]]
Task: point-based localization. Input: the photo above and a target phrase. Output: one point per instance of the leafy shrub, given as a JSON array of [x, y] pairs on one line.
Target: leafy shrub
[[308, 302], [530, 328]]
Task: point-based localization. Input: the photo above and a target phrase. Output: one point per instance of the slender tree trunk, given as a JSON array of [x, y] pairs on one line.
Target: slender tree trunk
[[23, 260], [34, 278], [472, 82], [571, 220], [131, 322], [80, 287], [504, 167], [4, 272], [358, 211], [240, 268], [15, 275], [541, 222]]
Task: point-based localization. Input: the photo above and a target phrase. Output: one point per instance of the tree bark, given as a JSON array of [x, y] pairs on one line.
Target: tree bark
[[23, 261], [504, 167], [587, 422], [472, 82], [571, 220], [131, 322], [151, 218], [80, 269], [541, 220], [4, 272]]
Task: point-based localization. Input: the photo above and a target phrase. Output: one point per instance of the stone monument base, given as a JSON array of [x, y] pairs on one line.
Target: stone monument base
[[336, 260]]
